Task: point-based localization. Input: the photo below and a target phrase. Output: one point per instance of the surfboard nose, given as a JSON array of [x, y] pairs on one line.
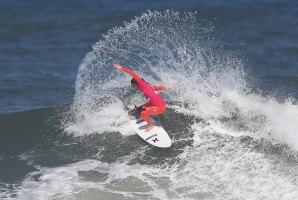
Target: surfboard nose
[[169, 144], [166, 144]]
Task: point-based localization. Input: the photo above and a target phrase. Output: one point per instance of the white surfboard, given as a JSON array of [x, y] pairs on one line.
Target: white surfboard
[[157, 136]]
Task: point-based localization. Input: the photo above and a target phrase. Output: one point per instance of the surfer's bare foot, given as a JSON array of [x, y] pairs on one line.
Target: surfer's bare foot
[[149, 127]]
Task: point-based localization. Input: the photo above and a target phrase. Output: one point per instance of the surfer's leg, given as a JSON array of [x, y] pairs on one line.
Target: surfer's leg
[[151, 110]]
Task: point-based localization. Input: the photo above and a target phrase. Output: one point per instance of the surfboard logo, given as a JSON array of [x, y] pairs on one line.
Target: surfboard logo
[[155, 140]]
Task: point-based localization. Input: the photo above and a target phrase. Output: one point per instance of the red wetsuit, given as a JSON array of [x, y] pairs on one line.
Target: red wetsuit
[[156, 105]]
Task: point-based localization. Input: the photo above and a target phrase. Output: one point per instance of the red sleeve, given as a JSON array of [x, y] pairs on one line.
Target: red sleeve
[[159, 87], [130, 72]]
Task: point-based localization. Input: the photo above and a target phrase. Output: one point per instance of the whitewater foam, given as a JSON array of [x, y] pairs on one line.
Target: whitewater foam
[[252, 115], [110, 118], [214, 168]]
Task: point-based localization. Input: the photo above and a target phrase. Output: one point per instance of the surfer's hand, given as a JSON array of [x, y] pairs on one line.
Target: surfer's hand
[[117, 66]]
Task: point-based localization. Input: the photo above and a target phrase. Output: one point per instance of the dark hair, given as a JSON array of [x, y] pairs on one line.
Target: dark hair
[[133, 81]]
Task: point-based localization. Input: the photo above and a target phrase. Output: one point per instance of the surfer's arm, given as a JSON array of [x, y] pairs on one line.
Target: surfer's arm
[[130, 72], [159, 87]]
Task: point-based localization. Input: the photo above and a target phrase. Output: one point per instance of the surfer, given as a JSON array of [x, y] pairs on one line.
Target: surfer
[[155, 106]]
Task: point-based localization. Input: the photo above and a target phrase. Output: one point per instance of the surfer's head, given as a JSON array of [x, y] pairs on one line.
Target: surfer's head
[[134, 84]]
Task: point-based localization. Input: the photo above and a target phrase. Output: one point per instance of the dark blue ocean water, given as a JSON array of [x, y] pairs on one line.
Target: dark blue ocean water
[[43, 42], [243, 146]]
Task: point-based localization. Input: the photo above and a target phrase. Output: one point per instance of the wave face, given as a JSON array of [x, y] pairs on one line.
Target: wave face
[[228, 142]]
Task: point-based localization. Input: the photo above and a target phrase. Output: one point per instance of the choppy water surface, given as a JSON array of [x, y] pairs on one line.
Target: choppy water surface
[[232, 120]]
